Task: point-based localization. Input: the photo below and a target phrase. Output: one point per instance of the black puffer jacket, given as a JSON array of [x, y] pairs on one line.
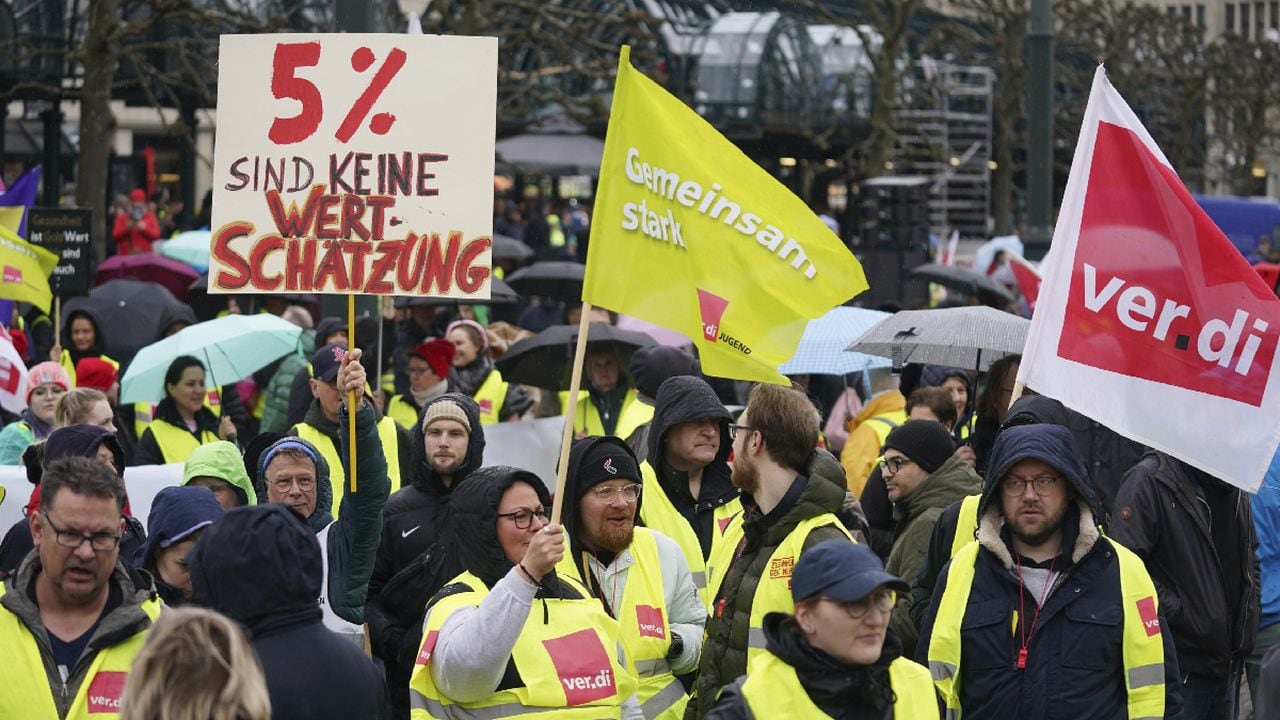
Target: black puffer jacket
[[685, 399], [261, 566], [415, 520], [1196, 535], [724, 651]]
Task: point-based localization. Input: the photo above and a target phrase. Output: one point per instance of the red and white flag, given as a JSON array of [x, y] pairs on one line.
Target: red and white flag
[[1027, 277], [949, 252], [1148, 320], [13, 377]]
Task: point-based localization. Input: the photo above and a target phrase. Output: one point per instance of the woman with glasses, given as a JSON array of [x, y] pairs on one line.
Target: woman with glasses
[[509, 637], [835, 657]]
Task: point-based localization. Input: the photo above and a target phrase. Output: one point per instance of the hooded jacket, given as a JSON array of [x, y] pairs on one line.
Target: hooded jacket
[[261, 566], [841, 690], [122, 618], [221, 460], [69, 348], [685, 399], [724, 649], [175, 312], [416, 520], [275, 409], [1196, 535], [149, 452], [915, 516], [1075, 665], [176, 513]]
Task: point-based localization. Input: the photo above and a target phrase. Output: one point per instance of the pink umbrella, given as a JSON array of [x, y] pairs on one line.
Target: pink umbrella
[[664, 336], [174, 276]]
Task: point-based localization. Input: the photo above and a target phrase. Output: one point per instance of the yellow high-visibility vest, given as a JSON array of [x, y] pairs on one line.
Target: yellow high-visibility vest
[[773, 690], [65, 361], [177, 443], [966, 523], [632, 415], [337, 475]]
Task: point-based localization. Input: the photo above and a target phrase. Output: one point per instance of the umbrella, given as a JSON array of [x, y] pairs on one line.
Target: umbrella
[[822, 347], [191, 247], [545, 360], [128, 313], [500, 293], [509, 248], [231, 348], [966, 337], [176, 277], [986, 252], [555, 279], [964, 279], [664, 336]]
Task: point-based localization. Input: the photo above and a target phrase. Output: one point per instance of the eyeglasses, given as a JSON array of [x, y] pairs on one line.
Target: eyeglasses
[[1042, 484], [894, 465], [418, 371], [100, 542], [607, 493], [524, 518], [283, 485], [883, 600], [735, 428]]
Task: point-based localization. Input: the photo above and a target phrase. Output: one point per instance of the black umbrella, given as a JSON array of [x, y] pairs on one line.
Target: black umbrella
[[554, 279], [546, 359], [509, 248], [964, 279], [500, 293], [128, 313]]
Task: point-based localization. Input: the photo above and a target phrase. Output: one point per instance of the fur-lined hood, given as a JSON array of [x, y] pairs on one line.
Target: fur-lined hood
[[1055, 446]]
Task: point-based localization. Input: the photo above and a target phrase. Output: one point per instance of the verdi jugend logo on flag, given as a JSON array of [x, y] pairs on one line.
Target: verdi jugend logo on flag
[[690, 234], [1149, 320]]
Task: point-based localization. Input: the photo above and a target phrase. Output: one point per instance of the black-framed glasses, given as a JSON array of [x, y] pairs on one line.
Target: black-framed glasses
[[735, 428], [1041, 484], [100, 542], [524, 518], [894, 465], [883, 600], [606, 493]]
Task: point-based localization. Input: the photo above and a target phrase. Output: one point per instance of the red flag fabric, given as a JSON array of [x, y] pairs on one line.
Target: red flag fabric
[[1148, 319]]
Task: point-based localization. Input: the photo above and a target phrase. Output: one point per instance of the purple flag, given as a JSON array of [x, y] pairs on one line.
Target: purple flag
[[24, 192]]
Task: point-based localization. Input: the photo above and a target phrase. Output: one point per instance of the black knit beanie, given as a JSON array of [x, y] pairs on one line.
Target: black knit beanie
[[926, 442], [605, 461]]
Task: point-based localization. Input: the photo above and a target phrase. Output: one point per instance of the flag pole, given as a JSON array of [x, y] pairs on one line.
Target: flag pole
[[566, 438], [377, 381], [57, 320], [1017, 392], [352, 407]]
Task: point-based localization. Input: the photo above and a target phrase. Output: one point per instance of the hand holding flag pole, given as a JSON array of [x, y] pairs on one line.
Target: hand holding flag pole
[[566, 438]]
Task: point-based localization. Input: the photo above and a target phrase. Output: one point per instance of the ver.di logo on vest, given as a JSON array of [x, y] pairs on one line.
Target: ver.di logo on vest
[[105, 691], [582, 666], [649, 622]]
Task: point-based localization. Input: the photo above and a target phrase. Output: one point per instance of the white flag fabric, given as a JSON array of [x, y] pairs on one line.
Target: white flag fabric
[[13, 377], [1148, 319]]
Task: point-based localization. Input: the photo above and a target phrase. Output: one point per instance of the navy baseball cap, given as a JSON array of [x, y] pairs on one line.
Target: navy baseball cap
[[326, 362], [842, 571]]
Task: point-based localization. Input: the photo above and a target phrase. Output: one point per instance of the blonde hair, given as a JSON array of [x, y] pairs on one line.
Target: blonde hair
[[196, 665], [74, 406]]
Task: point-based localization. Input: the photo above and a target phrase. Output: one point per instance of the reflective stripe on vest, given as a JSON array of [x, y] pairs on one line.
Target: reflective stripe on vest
[[773, 690], [966, 524], [631, 415], [1143, 645], [659, 513], [646, 629], [65, 361], [177, 443], [26, 691], [568, 662], [490, 396], [337, 475], [403, 412]]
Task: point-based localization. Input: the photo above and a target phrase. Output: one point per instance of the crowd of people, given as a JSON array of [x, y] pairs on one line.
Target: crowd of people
[[880, 545]]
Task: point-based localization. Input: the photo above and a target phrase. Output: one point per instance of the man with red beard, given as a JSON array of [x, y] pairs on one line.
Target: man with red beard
[[638, 574]]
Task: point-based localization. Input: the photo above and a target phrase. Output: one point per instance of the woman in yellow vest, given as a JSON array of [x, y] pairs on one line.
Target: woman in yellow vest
[[81, 338], [835, 657], [474, 375], [509, 637], [611, 405], [429, 364], [182, 422]]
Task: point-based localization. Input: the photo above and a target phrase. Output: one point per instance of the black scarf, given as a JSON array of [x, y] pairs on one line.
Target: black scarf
[[841, 690]]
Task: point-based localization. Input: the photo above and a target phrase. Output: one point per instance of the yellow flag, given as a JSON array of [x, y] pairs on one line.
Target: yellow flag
[[24, 270], [11, 217], [690, 234]]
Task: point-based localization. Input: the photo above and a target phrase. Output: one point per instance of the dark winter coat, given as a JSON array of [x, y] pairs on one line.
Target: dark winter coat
[[1199, 548], [684, 399], [1075, 667], [724, 649], [261, 566], [467, 380]]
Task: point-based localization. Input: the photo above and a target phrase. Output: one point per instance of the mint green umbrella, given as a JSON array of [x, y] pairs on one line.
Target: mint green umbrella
[[231, 348], [191, 247]]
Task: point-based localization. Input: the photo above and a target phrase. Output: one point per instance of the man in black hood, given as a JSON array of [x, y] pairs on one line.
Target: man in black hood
[[650, 367], [688, 494], [448, 444], [261, 566]]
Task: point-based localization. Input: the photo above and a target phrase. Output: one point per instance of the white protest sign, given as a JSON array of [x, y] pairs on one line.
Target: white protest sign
[[142, 484], [353, 163]]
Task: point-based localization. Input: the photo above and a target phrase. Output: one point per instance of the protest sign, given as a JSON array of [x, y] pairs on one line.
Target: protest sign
[[690, 234], [1148, 319], [65, 232], [354, 164]]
